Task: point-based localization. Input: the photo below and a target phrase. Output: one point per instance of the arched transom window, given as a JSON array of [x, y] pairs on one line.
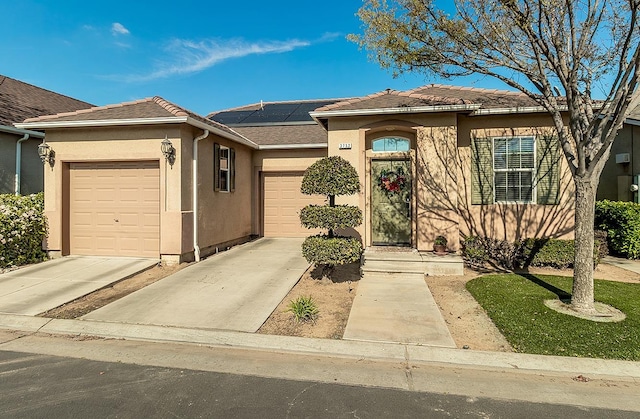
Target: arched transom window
[[390, 144]]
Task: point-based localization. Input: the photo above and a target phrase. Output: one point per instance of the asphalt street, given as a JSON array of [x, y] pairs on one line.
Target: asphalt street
[[44, 386]]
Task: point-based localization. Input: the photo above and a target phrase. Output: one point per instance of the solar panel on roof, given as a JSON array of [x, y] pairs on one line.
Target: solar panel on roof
[[272, 113], [231, 117]]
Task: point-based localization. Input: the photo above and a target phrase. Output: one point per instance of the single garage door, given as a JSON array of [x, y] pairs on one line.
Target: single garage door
[[282, 204], [114, 209]]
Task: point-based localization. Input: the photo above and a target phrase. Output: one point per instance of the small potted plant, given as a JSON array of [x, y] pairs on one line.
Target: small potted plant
[[440, 245]]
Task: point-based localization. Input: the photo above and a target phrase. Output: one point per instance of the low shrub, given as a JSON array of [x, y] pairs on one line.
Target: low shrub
[[304, 309], [331, 218], [322, 249], [22, 229], [621, 221], [540, 252]]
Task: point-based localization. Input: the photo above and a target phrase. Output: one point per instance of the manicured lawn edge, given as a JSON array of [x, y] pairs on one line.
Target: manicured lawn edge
[[515, 303]]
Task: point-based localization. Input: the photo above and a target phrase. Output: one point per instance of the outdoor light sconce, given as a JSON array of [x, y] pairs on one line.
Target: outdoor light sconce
[[168, 151], [46, 153]]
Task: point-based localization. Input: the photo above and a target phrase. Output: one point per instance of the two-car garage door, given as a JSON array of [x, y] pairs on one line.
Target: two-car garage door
[[114, 209], [282, 203]]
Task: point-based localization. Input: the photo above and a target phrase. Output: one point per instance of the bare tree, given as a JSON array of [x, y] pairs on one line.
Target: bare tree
[[554, 51]]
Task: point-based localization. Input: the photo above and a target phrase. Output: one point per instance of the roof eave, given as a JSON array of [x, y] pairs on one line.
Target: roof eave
[[512, 110], [386, 111], [44, 124], [138, 121], [11, 130], [292, 146]]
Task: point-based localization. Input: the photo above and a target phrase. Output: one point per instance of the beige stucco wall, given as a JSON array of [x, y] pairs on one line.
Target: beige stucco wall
[[442, 173], [224, 218], [511, 221], [31, 177], [113, 144], [617, 177]]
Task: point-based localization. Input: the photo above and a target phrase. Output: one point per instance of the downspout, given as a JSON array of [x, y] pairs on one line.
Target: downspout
[[18, 163], [196, 248]]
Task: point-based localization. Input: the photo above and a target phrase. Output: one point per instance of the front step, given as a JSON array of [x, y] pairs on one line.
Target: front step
[[411, 261]]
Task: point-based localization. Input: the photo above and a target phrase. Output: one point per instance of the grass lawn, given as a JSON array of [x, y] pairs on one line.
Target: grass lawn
[[515, 303]]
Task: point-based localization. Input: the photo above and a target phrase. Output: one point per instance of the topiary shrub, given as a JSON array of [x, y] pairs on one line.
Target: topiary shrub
[[322, 249], [22, 229], [321, 216], [621, 221], [330, 177]]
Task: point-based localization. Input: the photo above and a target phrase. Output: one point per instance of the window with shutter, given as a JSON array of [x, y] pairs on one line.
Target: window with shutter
[[515, 169]]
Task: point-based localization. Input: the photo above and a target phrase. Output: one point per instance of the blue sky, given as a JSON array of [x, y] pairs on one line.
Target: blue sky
[[201, 55]]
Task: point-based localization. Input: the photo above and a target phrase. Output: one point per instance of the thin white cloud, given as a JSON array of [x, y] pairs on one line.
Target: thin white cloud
[[191, 57], [119, 29]]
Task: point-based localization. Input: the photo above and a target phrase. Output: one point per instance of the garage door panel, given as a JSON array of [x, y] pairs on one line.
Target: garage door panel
[[114, 209], [282, 204]]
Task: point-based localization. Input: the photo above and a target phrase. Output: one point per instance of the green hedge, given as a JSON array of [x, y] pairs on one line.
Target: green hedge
[[556, 253], [621, 221], [322, 216], [322, 249], [22, 229]]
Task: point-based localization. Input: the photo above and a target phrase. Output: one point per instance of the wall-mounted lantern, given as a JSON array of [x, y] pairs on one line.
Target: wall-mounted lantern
[[168, 151], [46, 153]]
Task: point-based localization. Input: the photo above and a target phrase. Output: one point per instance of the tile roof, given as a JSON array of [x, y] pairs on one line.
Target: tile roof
[[155, 107], [435, 95], [285, 134], [19, 101]]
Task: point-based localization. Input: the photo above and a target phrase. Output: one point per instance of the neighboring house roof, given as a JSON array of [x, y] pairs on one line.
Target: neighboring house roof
[[155, 110], [19, 101], [271, 113], [286, 124], [286, 136]]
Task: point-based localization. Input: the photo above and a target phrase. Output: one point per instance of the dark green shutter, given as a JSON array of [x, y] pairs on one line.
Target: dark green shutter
[[232, 169], [481, 171], [216, 166], [548, 173]]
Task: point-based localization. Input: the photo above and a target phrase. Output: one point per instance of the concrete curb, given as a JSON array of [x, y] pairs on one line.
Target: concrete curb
[[551, 365]]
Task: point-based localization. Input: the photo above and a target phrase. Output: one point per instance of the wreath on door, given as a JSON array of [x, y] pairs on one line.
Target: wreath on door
[[392, 181]]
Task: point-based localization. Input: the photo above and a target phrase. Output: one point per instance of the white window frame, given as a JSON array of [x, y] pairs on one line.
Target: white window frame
[[507, 170]]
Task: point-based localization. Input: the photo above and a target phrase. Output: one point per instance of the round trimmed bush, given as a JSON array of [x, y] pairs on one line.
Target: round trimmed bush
[[322, 249], [330, 176], [322, 216]]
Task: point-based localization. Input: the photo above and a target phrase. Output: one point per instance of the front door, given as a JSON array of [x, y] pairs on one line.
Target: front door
[[391, 202]]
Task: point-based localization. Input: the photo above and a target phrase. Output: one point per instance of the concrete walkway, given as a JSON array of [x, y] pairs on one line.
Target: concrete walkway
[[628, 264], [396, 307], [38, 288], [234, 290]]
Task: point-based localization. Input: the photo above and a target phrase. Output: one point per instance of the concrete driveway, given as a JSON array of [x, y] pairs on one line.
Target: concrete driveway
[[234, 290], [38, 288]]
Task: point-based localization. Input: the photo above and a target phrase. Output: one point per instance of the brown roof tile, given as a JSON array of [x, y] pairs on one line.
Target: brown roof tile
[[19, 101], [434, 95], [285, 134], [155, 107]]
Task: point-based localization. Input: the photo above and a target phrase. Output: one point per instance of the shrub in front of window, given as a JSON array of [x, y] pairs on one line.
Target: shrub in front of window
[[330, 177], [22, 229], [621, 221]]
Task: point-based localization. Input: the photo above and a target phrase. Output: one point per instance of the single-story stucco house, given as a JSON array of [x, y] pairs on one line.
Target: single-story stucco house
[[149, 178], [20, 166]]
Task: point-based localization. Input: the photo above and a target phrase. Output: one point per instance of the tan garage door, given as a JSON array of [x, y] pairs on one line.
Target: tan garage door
[[282, 203], [114, 209]]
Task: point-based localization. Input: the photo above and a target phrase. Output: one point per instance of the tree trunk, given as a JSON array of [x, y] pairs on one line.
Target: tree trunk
[[582, 298]]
